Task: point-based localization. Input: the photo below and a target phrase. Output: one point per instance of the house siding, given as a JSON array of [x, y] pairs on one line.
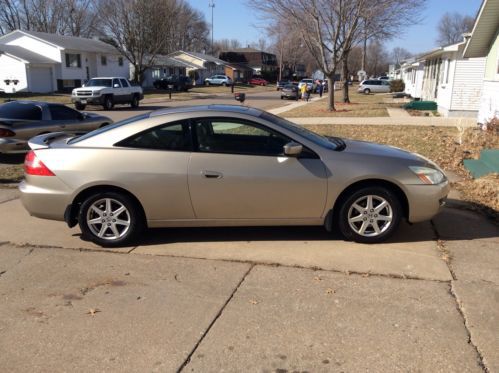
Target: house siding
[[12, 69], [468, 80]]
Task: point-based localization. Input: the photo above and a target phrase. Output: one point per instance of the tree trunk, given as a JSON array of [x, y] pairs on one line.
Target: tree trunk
[[346, 98], [330, 83]]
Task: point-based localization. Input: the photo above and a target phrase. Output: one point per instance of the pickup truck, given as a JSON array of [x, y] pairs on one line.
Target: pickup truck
[[106, 92]]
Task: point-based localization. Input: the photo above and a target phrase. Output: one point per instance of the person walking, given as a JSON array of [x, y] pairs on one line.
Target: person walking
[[303, 91], [321, 88]]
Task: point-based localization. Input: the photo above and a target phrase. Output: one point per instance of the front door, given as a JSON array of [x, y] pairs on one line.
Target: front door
[[239, 172]]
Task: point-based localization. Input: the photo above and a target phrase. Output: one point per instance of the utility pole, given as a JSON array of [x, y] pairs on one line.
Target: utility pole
[[212, 5]]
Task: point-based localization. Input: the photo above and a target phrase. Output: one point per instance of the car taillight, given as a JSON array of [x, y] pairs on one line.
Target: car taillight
[[34, 166], [4, 132]]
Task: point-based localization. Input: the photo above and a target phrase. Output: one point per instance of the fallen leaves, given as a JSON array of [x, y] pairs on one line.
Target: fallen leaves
[[93, 311]]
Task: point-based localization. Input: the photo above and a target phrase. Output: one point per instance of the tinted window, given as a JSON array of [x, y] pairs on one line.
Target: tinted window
[[116, 81], [124, 83], [172, 136], [17, 110], [237, 137], [61, 112]]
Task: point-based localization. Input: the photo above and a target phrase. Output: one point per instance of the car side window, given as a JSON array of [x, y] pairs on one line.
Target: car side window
[[116, 81], [124, 83], [171, 136], [235, 136], [61, 112]]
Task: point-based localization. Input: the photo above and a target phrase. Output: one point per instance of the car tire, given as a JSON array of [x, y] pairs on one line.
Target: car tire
[[207, 83], [367, 91], [369, 215], [80, 106], [135, 102], [108, 103], [99, 223], [224, 84]]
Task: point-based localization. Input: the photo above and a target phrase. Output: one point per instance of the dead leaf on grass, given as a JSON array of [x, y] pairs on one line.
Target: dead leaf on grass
[[330, 291], [254, 301], [93, 311]]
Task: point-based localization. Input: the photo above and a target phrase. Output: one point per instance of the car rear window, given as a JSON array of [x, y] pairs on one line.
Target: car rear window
[[19, 110], [98, 131]]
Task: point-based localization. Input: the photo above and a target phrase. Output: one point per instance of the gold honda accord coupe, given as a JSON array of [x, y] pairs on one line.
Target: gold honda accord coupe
[[224, 165]]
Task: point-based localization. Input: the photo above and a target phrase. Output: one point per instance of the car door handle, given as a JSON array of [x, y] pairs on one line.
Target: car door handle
[[212, 174]]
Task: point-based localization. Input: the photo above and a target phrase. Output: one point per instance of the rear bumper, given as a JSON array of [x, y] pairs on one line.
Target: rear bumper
[[425, 201], [47, 201], [12, 145]]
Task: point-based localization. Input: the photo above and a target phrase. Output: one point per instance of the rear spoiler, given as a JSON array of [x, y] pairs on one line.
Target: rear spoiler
[[44, 141]]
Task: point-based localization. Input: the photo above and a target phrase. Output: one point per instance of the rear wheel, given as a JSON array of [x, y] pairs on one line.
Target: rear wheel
[[79, 106], [224, 84], [207, 83], [110, 219], [370, 215], [108, 103]]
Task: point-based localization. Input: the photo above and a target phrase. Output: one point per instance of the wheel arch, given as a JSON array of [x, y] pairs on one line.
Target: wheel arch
[[71, 213], [332, 215]]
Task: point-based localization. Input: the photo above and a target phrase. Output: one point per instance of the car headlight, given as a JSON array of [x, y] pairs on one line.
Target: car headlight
[[428, 175]]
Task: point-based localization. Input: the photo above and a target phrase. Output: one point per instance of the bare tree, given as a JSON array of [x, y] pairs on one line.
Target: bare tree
[[452, 26], [139, 29], [399, 54], [191, 31]]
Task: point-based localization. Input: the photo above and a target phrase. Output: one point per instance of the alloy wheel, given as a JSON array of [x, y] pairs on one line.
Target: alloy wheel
[[108, 219], [370, 216]]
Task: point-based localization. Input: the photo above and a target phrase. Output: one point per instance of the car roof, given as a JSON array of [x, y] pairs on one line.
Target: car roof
[[237, 109], [24, 102]]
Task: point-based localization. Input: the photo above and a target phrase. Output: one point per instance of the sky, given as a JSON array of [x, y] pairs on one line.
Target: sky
[[232, 19]]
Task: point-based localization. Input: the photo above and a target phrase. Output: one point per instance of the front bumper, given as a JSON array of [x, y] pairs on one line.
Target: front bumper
[[88, 100], [12, 145], [425, 201]]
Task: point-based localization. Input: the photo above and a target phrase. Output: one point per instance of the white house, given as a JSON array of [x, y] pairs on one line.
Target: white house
[[453, 81], [411, 72], [484, 42], [43, 62], [204, 65]]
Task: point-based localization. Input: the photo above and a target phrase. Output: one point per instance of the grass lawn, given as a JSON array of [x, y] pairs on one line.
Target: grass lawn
[[360, 105]]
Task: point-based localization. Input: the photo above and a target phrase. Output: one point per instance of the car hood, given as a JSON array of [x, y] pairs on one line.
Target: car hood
[[378, 150], [92, 88]]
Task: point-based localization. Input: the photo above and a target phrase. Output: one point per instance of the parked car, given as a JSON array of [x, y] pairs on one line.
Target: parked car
[[21, 120], [384, 77], [310, 84], [218, 80], [374, 86], [107, 92], [282, 83], [258, 81], [224, 165], [323, 83], [290, 91], [177, 83]]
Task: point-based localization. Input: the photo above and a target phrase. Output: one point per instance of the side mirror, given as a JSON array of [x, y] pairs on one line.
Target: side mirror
[[116, 86], [292, 149]]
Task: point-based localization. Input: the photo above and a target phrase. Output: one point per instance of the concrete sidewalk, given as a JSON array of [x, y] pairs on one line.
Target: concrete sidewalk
[[253, 300]]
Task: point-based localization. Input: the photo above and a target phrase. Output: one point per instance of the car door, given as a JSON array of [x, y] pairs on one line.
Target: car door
[[239, 172], [385, 86], [118, 93], [127, 92], [67, 119]]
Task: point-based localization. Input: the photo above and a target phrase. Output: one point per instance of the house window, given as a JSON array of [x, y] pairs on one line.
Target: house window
[[172, 71], [156, 73], [66, 83], [447, 72], [103, 60], [73, 60], [120, 61]]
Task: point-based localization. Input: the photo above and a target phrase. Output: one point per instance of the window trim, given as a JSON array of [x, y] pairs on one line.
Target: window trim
[[195, 143]]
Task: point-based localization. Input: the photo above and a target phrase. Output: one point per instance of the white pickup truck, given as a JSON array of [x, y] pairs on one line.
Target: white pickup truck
[[107, 92]]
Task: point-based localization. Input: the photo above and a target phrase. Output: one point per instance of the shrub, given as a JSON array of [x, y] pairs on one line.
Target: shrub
[[397, 85]]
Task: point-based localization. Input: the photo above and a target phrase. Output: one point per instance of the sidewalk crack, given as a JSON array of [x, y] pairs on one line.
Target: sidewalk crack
[[445, 254], [217, 316], [459, 308]]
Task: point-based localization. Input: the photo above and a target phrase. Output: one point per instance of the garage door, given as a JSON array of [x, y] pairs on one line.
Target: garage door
[[41, 79]]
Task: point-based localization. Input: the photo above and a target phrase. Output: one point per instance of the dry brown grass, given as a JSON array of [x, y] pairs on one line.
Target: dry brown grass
[[361, 105]]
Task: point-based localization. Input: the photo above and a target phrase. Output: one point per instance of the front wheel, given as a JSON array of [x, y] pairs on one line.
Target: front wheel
[[370, 215], [108, 103], [79, 106], [367, 91], [110, 219], [135, 102]]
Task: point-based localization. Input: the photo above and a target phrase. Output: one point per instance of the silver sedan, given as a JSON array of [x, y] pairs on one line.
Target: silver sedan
[[21, 120], [225, 166]]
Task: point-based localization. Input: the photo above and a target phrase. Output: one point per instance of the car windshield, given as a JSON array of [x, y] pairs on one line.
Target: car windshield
[[99, 83], [98, 131], [301, 131]]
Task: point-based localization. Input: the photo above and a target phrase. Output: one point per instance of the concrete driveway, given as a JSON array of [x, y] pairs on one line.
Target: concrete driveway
[[249, 299]]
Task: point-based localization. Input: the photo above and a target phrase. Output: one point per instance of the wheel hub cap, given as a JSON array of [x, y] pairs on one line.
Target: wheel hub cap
[[370, 215], [108, 219]]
